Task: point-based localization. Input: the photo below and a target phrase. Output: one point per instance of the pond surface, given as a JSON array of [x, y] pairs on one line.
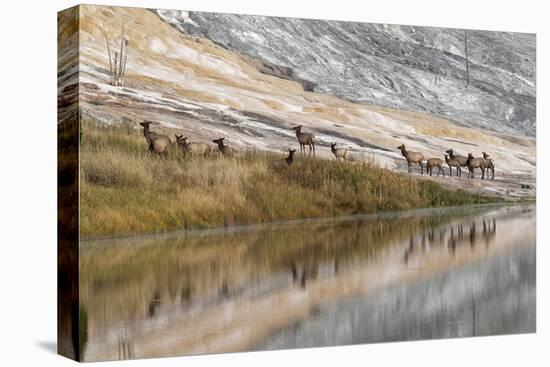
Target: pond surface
[[400, 276]]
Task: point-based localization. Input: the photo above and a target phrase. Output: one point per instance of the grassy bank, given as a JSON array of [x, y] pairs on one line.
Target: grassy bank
[[124, 190]]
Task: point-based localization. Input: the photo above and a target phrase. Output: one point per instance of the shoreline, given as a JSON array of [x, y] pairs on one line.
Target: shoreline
[[329, 219]]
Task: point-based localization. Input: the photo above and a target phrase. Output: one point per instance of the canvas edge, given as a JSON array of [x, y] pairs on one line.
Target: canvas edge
[[69, 331]]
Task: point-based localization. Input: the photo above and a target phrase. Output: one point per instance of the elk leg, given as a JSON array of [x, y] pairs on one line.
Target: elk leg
[[409, 165], [421, 168]]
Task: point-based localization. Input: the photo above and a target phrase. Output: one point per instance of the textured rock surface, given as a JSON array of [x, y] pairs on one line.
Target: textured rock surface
[[405, 67], [192, 86]]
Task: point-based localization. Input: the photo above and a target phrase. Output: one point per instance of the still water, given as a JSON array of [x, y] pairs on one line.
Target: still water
[[413, 275]]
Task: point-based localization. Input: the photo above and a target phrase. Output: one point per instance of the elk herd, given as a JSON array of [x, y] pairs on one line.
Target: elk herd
[[159, 144], [485, 163]]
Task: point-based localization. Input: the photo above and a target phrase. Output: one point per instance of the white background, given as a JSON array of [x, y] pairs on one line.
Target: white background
[[28, 181]]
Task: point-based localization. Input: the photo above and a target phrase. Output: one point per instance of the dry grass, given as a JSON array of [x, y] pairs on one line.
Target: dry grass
[[125, 190]]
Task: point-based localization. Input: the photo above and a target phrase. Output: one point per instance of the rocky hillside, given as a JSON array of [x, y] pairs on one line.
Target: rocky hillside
[[405, 67], [194, 86]]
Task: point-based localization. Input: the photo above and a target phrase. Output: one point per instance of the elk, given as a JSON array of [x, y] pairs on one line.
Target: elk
[[489, 164], [158, 143], [224, 149], [453, 163], [412, 157], [285, 162], [462, 160], [147, 133], [193, 148], [338, 152], [304, 139], [434, 162], [474, 163]]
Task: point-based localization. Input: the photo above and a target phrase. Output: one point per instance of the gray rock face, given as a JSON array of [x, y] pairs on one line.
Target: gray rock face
[[405, 67]]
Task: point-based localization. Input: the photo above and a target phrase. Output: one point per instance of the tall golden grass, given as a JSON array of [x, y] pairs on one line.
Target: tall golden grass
[[125, 190]]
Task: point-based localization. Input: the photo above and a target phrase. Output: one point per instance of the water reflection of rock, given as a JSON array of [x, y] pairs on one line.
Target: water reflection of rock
[[224, 291], [487, 298]]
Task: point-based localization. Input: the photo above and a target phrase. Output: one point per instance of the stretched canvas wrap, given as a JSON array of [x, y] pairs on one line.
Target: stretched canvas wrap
[[235, 182]]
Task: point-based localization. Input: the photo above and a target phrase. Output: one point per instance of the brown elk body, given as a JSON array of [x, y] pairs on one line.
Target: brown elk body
[[462, 160], [412, 157], [434, 162], [224, 149], [339, 153], [304, 139], [453, 163], [284, 163], [158, 143], [489, 164], [474, 163], [193, 148]]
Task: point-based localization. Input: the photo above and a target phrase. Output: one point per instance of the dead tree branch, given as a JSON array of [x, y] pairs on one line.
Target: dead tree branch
[[117, 62]]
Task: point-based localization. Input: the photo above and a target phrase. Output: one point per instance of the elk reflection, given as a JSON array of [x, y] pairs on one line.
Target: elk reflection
[[185, 295], [154, 303], [489, 231], [423, 242], [196, 285], [453, 236], [189, 271], [125, 346]]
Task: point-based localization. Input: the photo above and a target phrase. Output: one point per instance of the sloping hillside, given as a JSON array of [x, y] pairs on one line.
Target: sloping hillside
[[414, 68], [191, 85]]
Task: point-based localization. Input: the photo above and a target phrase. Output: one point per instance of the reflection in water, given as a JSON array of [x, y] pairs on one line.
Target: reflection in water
[[459, 235], [232, 289]]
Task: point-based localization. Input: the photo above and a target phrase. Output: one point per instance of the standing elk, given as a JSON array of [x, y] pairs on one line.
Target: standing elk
[[474, 163], [304, 139], [434, 162], [193, 148], [412, 157], [224, 149], [462, 160], [158, 143], [453, 163], [489, 164], [338, 152]]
